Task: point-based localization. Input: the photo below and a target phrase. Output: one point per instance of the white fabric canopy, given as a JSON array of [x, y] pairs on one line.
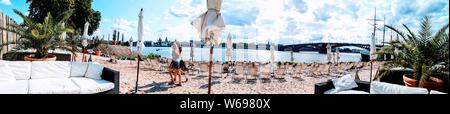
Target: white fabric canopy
[[86, 29], [337, 55], [131, 42], [192, 51], [210, 24], [229, 48], [140, 46], [64, 34], [329, 57], [272, 54], [372, 48]]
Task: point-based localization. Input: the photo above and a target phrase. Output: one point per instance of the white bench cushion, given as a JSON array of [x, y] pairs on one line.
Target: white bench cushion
[[16, 87], [333, 91], [344, 83], [78, 69], [436, 92], [94, 71], [387, 88], [6, 74], [50, 69], [21, 69], [91, 86], [53, 86]]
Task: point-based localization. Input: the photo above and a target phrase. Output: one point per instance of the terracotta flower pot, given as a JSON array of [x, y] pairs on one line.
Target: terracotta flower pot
[[432, 84], [409, 82], [50, 57], [98, 53]]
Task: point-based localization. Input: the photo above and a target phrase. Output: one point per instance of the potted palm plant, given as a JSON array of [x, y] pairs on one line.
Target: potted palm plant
[[96, 42], [419, 51], [41, 37]]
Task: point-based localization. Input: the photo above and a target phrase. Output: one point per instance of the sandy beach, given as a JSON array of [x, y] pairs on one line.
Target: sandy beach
[[156, 82]]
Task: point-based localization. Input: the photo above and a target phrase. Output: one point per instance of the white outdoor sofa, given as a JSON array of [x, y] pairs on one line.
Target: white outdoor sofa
[[363, 87], [57, 77]]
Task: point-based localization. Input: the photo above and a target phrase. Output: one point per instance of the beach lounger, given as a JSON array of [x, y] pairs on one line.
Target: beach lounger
[[203, 69], [281, 72], [217, 70], [297, 71], [239, 71], [253, 70], [326, 69], [266, 72]]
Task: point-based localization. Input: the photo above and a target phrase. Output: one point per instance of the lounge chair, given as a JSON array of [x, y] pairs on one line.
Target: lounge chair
[[297, 71], [203, 69], [281, 72], [217, 70], [266, 72], [317, 70], [192, 67], [253, 70], [239, 71]]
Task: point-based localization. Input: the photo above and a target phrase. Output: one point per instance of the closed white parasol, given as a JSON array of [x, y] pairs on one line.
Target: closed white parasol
[[210, 25], [229, 48]]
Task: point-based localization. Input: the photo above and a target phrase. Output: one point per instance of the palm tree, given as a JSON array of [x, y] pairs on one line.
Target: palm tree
[[42, 36], [419, 51]]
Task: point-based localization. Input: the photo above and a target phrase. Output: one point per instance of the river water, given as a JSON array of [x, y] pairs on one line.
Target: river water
[[202, 54]]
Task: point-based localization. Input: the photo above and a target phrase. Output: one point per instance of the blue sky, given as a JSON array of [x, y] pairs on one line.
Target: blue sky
[[278, 21]]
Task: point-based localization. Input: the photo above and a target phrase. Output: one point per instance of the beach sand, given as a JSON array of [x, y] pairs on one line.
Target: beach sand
[[156, 82]]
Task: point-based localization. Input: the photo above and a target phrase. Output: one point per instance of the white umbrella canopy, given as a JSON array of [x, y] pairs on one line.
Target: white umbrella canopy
[[64, 34], [86, 29], [229, 48], [329, 57], [272, 54], [141, 31], [372, 48], [192, 51], [337, 55], [131, 42], [210, 24]]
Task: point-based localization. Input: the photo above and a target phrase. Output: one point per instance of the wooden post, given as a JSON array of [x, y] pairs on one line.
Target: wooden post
[[210, 68]]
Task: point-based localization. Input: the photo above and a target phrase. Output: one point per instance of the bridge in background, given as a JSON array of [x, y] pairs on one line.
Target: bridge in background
[[322, 47]]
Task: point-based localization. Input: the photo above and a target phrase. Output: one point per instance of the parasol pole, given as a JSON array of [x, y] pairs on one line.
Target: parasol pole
[[210, 68], [211, 50]]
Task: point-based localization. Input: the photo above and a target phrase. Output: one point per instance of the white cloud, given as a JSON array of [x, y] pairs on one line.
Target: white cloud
[[303, 21], [6, 2]]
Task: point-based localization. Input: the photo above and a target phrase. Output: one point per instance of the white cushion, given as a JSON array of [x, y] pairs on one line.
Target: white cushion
[[387, 88], [94, 71], [53, 86], [21, 69], [50, 69], [16, 87], [91, 86], [333, 91], [6, 74], [344, 83], [436, 92], [78, 69]]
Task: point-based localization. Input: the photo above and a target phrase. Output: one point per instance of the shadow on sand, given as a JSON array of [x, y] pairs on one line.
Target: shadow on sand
[[156, 87], [205, 86]]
